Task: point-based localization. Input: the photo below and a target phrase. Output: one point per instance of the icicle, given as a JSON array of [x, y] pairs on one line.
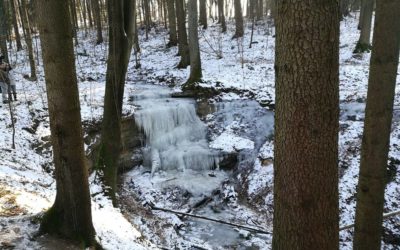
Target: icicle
[[174, 133]]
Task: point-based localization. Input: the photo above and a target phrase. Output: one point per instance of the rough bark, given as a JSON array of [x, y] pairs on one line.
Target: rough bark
[[28, 38], [363, 44], [70, 215], [195, 62], [183, 46], [121, 15], [203, 13], [378, 120], [221, 15], [306, 125], [238, 19], [97, 20], [173, 38]]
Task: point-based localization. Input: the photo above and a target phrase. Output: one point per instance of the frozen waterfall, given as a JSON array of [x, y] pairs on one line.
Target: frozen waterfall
[[175, 136]]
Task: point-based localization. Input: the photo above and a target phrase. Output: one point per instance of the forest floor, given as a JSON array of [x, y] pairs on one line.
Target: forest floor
[[27, 186]]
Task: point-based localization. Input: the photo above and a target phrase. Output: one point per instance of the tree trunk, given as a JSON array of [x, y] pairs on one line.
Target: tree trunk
[[89, 12], [147, 17], [195, 62], [3, 31], [97, 20], [15, 24], [28, 38], [221, 15], [121, 15], [238, 19], [70, 216], [173, 39], [306, 212], [203, 14], [363, 44], [72, 6], [259, 9], [344, 8], [182, 36], [378, 120]]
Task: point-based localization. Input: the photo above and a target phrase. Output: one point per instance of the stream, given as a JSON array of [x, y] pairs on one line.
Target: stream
[[192, 152]]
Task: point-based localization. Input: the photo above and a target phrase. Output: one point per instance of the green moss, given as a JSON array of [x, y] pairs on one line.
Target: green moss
[[362, 48], [51, 221]]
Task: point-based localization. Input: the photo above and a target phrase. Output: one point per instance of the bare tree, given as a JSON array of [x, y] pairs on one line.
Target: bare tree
[[363, 44], [173, 38], [182, 36], [203, 13], [70, 216], [238, 19], [378, 121], [195, 62], [121, 15]]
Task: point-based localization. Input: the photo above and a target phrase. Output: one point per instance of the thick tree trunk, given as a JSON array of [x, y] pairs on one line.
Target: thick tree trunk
[[306, 212], [203, 13], [97, 20], [238, 19], [221, 15], [28, 38], [173, 38], [363, 44], [182, 36], [3, 31], [195, 62], [15, 25], [378, 120], [70, 216], [121, 15]]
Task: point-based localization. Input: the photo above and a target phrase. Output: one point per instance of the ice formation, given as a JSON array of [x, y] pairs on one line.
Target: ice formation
[[175, 136]]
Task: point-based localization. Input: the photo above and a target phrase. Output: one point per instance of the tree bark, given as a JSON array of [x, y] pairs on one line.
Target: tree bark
[[15, 25], [203, 13], [378, 120], [72, 6], [306, 214], [195, 62], [121, 15], [183, 46], [173, 38], [221, 15], [363, 44], [70, 216], [28, 38], [97, 20], [238, 19]]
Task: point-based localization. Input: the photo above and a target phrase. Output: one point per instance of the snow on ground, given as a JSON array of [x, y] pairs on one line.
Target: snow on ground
[[27, 186]]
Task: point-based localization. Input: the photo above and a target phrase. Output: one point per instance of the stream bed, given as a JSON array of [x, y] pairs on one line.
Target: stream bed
[[193, 153]]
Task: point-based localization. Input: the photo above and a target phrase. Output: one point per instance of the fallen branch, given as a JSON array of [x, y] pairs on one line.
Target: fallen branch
[[255, 230], [385, 216]]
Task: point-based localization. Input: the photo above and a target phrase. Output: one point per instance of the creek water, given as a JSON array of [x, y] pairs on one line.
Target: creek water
[[180, 167]]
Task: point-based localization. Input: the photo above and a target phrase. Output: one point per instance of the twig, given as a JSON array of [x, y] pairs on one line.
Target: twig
[[385, 216], [255, 230]]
